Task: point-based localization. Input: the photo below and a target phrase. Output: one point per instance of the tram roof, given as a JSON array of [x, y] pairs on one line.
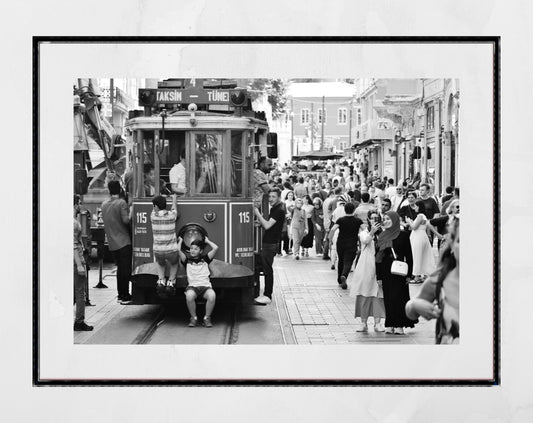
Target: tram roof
[[204, 120]]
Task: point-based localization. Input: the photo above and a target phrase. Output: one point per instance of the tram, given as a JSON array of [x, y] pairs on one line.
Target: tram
[[212, 125]]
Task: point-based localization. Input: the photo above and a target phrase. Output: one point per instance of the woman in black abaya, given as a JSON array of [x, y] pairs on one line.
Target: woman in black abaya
[[395, 288]]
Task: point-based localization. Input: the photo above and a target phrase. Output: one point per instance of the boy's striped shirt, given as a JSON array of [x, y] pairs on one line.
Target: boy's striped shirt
[[164, 231]]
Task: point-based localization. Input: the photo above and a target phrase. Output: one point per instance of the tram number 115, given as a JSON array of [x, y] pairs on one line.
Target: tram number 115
[[244, 217], [141, 217]]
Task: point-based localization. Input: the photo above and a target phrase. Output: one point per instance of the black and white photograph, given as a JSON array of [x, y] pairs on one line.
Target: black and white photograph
[[266, 211], [247, 214]]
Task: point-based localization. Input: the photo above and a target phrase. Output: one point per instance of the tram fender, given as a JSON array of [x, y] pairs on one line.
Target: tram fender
[[223, 275]]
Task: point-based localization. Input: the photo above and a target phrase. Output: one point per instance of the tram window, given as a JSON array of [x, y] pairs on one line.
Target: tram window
[[236, 164], [208, 172], [148, 146], [173, 144]]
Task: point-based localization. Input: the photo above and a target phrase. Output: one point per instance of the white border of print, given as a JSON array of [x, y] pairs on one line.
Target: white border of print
[[472, 65]]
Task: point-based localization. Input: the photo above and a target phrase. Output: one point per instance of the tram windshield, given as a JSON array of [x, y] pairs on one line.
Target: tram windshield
[[207, 148], [216, 161]]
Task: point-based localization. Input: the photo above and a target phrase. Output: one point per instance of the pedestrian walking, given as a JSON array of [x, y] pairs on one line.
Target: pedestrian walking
[[363, 283], [299, 227], [348, 227], [307, 240], [117, 217], [271, 238], [362, 210], [300, 190], [317, 218], [393, 244], [328, 211], [80, 273], [423, 262]]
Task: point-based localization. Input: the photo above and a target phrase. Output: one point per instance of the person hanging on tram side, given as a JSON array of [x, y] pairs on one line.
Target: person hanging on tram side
[[261, 185], [271, 237], [198, 278], [165, 243]]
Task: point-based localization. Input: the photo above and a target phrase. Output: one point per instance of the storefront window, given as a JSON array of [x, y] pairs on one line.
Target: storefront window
[[208, 171]]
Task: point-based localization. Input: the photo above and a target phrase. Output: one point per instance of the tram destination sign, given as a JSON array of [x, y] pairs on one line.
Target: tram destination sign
[[153, 96]]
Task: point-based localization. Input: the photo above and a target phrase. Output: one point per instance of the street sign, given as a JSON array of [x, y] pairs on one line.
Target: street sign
[[154, 96]]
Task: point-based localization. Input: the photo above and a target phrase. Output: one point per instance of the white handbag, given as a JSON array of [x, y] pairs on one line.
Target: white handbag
[[398, 267]]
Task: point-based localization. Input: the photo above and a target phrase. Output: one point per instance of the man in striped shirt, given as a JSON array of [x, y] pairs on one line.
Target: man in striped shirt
[[165, 242]]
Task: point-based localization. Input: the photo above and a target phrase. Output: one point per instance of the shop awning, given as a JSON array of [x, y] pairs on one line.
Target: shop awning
[[318, 155], [363, 144]]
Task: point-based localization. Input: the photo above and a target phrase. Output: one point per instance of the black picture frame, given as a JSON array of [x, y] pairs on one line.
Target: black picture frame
[[495, 41]]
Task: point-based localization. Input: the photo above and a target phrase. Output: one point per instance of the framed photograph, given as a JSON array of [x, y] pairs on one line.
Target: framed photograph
[[193, 265]]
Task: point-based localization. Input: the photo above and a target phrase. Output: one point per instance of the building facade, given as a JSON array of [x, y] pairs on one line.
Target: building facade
[[408, 128], [387, 119], [322, 115]]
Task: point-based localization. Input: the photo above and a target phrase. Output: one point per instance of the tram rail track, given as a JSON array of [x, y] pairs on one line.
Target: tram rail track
[[230, 331]]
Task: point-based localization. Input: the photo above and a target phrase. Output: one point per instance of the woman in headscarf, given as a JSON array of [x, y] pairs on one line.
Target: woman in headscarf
[[393, 242]]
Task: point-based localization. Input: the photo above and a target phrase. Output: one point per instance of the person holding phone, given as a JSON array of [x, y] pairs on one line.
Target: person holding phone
[[363, 283]]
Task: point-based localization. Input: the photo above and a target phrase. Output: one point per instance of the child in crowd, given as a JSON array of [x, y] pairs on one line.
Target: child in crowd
[[198, 282], [165, 243]]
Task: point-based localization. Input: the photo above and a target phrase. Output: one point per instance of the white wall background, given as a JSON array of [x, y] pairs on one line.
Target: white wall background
[[510, 402]]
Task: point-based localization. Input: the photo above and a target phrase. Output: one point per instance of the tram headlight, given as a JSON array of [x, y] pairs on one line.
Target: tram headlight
[[147, 97], [238, 98]]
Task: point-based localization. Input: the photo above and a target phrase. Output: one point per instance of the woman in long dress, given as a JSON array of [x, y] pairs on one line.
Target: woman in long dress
[[299, 226], [423, 261], [393, 244], [285, 237], [363, 283], [307, 241]]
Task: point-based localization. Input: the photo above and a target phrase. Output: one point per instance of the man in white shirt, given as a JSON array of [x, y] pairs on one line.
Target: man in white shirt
[[391, 189], [397, 198], [177, 176]]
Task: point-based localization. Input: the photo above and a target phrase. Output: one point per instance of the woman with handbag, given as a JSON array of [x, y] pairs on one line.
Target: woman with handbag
[[363, 283], [394, 265]]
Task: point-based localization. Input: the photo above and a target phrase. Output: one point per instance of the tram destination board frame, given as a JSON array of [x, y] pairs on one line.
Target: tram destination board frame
[[487, 47]]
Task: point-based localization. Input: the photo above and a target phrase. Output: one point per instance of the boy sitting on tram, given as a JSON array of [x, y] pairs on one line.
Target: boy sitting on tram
[[198, 282]]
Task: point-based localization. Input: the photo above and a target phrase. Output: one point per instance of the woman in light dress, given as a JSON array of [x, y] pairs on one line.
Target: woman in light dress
[[423, 261], [363, 282], [289, 206], [298, 227]]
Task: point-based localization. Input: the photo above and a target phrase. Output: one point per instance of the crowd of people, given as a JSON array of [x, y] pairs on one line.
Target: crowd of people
[[363, 224]]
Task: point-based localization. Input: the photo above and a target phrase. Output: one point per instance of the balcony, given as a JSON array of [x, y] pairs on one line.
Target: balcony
[[375, 129]]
